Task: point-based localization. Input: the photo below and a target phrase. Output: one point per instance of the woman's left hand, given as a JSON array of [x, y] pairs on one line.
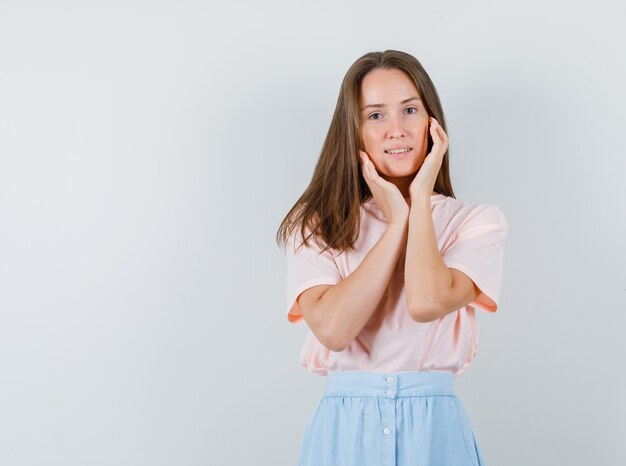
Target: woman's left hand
[[424, 181]]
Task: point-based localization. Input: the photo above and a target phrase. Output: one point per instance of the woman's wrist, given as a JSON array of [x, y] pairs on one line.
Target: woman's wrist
[[419, 194], [399, 223]]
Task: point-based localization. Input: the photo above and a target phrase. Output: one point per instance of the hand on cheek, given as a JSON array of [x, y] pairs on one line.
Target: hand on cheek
[[424, 181], [386, 194]]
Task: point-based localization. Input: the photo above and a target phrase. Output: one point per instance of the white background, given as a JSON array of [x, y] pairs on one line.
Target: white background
[[149, 151]]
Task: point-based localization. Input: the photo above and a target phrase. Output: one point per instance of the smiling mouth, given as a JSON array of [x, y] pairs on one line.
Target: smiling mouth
[[399, 151]]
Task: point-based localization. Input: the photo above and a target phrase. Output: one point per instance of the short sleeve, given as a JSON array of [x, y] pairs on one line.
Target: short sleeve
[[477, 251], [307, 268]]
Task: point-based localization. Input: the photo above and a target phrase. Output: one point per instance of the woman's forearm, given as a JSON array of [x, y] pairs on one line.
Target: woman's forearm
[[426, 276], [345, 308]]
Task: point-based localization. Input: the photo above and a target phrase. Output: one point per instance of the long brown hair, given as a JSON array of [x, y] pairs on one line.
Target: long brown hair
[[329, 208]]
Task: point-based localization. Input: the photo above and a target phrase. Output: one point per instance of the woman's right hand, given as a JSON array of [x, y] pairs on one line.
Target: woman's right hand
[[386, 194]]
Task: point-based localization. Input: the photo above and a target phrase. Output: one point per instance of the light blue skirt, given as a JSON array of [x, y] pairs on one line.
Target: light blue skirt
[[395, 419]]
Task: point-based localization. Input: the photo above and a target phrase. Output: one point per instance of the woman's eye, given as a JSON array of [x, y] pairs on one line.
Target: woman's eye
[[378, 115]]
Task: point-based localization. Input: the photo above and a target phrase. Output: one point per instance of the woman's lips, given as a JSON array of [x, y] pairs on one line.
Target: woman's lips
[[400, 155]]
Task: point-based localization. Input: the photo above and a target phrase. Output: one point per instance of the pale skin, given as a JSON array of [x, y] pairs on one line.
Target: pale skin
[[393, 116]]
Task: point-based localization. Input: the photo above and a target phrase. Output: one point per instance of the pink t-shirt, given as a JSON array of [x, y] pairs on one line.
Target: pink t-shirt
[[470, 238]]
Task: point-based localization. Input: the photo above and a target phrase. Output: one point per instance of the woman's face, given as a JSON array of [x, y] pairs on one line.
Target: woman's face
[[393, 117]]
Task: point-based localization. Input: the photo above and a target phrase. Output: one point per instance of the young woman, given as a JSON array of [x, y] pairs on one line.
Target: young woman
[[386, 267]]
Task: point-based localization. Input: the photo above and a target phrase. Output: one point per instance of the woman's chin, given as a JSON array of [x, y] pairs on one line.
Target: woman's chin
[[395, 174], [401, 172]]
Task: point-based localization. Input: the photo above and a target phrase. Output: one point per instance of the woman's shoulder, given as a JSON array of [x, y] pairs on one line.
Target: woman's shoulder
[[467, 211]]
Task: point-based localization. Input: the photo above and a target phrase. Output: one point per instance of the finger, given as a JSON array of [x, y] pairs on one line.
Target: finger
[[371, 171], [435, 135], [440, 131], [440, 138], [367, 163], [363, 158], [373, 176], [366, 169], [443, 137]]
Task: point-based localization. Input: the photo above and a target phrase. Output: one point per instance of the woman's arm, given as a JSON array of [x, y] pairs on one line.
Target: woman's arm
[[426, 276], [432, 289], [343, 310]]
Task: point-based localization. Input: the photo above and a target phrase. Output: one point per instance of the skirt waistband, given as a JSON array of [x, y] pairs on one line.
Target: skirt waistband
[[389, 385]]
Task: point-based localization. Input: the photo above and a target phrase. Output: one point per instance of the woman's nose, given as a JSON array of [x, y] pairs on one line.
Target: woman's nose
[[395, 129]]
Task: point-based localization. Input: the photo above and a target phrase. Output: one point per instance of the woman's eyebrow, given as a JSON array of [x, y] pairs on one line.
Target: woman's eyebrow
[[383, 105]]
